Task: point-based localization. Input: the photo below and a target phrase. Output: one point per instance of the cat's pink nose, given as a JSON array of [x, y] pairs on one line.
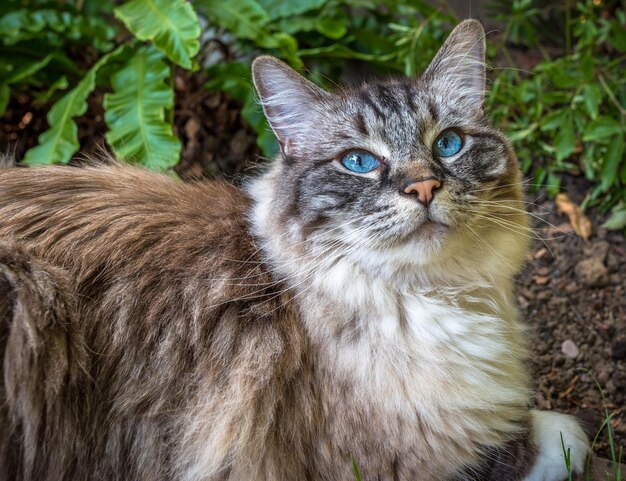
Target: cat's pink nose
[[424, 189]]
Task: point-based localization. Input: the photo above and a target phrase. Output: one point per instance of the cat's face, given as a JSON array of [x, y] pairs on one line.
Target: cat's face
[[404, 166]]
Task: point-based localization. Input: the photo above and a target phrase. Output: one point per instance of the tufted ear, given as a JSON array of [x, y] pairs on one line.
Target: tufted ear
[[291, 103], [459, 67]]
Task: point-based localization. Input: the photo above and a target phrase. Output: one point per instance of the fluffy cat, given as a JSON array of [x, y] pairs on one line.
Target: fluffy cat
[[355, 300]]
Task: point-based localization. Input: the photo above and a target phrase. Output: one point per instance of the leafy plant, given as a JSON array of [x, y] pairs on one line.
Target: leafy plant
[[139, 75], [330, 37], [568, 114]]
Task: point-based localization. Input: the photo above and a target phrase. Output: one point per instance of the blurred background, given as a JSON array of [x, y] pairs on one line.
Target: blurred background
[[166, 84]]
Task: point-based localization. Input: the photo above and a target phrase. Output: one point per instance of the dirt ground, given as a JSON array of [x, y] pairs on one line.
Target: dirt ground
[[572, 294]]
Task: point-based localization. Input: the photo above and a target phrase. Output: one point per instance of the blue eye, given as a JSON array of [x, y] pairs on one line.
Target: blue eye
[[447, 144], [360, 162]]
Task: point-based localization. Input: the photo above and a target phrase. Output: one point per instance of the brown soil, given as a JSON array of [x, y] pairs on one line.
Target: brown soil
[[577, 331], [572, 295]]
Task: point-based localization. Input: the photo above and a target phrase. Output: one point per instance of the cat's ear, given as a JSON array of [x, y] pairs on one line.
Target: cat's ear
[[459, 66], [291, 103]]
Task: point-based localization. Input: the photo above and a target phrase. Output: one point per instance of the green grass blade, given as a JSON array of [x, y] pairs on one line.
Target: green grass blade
[[357, 474]]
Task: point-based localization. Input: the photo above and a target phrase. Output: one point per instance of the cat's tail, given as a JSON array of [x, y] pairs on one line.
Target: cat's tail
[[42, 355]]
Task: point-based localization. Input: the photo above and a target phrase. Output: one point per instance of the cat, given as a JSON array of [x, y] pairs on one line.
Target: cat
[[354, 301]]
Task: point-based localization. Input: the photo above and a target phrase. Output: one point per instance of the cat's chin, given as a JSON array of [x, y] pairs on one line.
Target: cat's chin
[[421, 245], [429, 237], [430, 230]]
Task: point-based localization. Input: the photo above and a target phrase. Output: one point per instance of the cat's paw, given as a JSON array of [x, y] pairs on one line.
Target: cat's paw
[[546, 434]]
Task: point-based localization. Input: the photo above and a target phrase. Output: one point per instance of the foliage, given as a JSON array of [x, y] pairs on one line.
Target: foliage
[[35, 42], [324, 33], [37, 35], [568, 114], [58, 143]]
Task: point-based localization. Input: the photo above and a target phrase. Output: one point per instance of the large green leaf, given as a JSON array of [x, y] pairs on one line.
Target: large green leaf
[[59, 142], [172, 25], [135, 112], [244, 18]]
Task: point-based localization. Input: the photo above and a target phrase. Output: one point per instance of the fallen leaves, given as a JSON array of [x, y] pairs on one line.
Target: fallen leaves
[[579, 221]]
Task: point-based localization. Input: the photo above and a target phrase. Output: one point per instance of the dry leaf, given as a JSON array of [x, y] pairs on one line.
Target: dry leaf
[[579, 221], [541, 280]]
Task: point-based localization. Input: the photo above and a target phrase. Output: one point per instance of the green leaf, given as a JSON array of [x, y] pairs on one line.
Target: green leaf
[[5, 96], [553, 184], [172, 25], [555, 119], [592, 95], [233, 78], [334, 28], [267, 142], [610, 166], [565, 79], [338, 50], [244, 18], [59, 142], [601, 128], [135, 112], [618, 36], [282, 8], [296, 25], [60, 83], [524, 133], [16, 69], [564, 142], [617, 219], [587, 64], [555, 97]]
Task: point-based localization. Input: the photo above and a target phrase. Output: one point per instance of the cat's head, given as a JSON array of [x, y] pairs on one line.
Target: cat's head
[[400, 172]]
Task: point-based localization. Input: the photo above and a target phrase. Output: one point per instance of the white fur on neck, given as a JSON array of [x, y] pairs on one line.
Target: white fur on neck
[[436, 338]]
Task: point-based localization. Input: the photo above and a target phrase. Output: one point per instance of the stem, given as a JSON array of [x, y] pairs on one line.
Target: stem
[[568, 21], [611, 95]]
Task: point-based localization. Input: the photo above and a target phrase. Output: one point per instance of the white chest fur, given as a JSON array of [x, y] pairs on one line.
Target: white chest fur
[[437, 365]]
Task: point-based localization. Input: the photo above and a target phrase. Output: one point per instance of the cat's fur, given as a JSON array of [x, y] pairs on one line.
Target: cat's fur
[[160, 330]]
